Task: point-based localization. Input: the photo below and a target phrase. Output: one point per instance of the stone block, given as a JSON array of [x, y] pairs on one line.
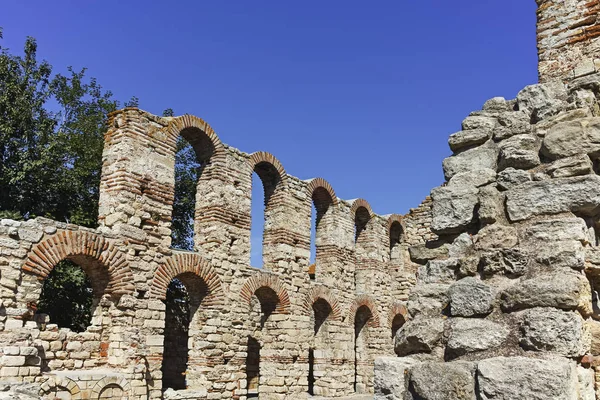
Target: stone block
[[453, 208], [570, 138], [511, 177], [443, 381], [520, 152], [391, 373], [419, 335], [468, 335], [482, 157], [470, 297]]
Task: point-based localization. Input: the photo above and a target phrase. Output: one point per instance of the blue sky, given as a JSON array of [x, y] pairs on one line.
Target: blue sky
[[363, 94]]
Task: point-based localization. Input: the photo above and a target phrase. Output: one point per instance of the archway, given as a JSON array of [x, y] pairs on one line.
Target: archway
[[362, 361]]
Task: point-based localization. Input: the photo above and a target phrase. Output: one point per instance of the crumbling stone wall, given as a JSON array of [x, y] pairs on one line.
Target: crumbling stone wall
[[281, 331]]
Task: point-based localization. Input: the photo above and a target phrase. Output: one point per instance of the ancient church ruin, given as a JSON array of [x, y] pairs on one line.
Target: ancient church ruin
[[487, 290]]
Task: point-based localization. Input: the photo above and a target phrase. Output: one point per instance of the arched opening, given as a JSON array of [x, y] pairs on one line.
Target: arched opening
[[269, 179], [311, 371], [184, 296], [58, 392], [72, 292], [397, 323], [321, 312], [112, 391], [396, 232], [192, 154], [253, 366], [361, 219], [320, 217], [361, 353]]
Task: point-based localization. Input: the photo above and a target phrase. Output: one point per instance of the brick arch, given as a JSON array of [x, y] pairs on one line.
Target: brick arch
[[320, 183], [179, 264], [397, 309], [64, 244], [107, 381], [357, 204], [394, 218], [321, 292], [61, 382], [271, 281], [364, 300], [177, 125]]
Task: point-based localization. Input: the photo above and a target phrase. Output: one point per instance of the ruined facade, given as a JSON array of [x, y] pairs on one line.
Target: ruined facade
[[506, 300]]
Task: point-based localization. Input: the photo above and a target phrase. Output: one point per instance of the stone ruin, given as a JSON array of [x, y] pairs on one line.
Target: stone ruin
[[487, 290]]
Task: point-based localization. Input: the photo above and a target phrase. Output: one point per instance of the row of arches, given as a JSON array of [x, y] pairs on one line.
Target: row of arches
[[210, 156], [65, 388]]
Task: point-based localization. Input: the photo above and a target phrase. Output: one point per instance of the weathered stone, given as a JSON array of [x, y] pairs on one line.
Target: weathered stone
[[391, 377], [568, 291], [443, 381], [542, 128], [512, 123], [549, 329], [571, 166], [593, 327], [519, 151], [496, 236], [542, 100], [586, 383], [428, 299], [511, 177], [565, 254], [453, 208], [570, 138], [482, 157], [553, 230], [491, 205], [462, 245], [468, 266], [470, 297], [438, 271], [577, 194], [469, 138], [473, 178], [468, 335], [496, 104], [428, 251], [419, 335], [513, 378], [479, 122], [511, 262]]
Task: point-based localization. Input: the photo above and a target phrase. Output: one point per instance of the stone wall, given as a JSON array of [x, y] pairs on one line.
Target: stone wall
[[568, 38], [280, 331], [505, 304]]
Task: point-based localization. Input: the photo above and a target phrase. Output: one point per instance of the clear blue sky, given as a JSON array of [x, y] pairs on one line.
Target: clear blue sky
[[363, 94]]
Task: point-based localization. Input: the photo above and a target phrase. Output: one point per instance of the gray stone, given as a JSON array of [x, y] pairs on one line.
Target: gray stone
[[443, 381], [428, 251], [569, 138], [33, 235], [512, 123], [468, 266], [511, 262], [571, 166], [549, 329], [468, 138], [511, 177], [520, 378], [428, 299], [555, 229], [491, 205], [391, 373], [461, 246], [473, 178], [496, 236], [479, 122], [468, 335], [565, 254], [470, 297], [542, 128], [419, 335], [593, 327], [577, 194], [586, 383], [542, 100], [496, 104], [478, 158], [568, 291], [438, 271], [519, 151], [453, 208]]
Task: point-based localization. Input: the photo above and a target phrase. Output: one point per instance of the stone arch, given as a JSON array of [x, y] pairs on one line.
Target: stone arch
[[68, 244], [270, 171], [394, 218], [63, 382], [199, 134], [315, 185], [109, 381], [360, 203], [179, 264], [265, 280], [397, 309], [364, 300], [395, 232], [321, 292]]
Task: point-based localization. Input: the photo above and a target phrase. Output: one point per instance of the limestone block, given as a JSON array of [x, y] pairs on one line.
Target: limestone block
[[570, 138], [516, 378], [496, 104], [542, 100], [512, 123], [428, 299], [469, 335], [511, 177], [549, 329], [469, 138], [554, 229], [453, 208], [565, 254], [511, 262], [519, 151], [586, 383], [428, 251], [491, 205], [390, 382], [470, 297], [443, 381], [578, 194], [479, 122], [438, 271], [571, 166], [419, 335], [568, 291], [496, 236], [478, 158], [473, 178]]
